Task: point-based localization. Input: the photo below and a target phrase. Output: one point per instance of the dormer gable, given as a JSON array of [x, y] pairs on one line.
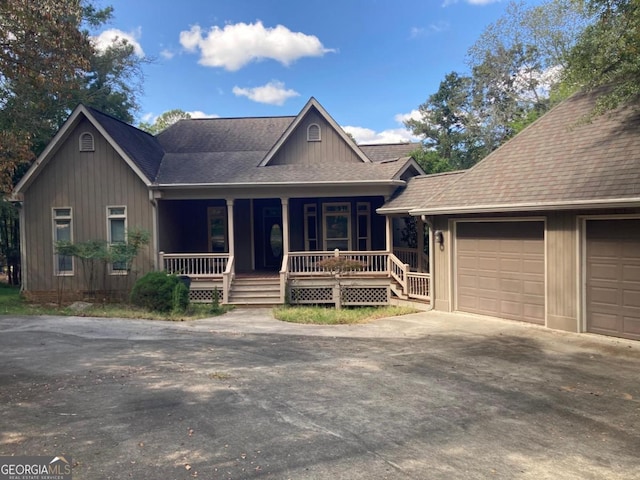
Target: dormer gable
[[314, 138]]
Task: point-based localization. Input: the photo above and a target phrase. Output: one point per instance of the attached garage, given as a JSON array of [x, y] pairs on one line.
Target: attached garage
[[499, 269], [613, 277]]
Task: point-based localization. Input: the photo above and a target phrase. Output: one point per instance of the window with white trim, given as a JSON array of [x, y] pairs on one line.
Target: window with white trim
[[310, 227], [62, 232], [336, 219], [117, 235], [313, 133], [364, 226], [86, 142]]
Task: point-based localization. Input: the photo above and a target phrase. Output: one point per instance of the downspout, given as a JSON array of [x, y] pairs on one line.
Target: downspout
[[23, 245], [429, 223], [154, 227]]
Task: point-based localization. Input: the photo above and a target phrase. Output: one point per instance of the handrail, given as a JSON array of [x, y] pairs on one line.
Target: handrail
[[227, 279], [399, 270], [284, 274]]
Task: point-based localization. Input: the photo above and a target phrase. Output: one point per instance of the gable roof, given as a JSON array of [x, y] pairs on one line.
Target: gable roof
[[140, 150], [139, 146], [312, 104], [558, 162], [228, 151]]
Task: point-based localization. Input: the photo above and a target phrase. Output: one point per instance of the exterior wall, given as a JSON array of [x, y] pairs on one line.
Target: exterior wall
[[87, 182], [183, 225], [242, 235], [562, 267], [441, 273], [332, 149]]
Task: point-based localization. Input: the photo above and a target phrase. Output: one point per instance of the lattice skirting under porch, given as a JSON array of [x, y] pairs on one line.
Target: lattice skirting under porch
[[204, 295], [377, 295]]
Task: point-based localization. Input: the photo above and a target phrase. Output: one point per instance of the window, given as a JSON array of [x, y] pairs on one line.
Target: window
[[313, 133], [310, 227], [86, 142], [117, 228], [364, 227], [217, 229], [62, 232], [337, 226]]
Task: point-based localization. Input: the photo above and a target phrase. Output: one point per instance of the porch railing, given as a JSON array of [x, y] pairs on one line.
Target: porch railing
[[221, 266], [309, 263], [195, 265], [419, 285]]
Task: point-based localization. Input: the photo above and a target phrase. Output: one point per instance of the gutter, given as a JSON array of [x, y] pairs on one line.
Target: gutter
[[524, 207], [323, 183]]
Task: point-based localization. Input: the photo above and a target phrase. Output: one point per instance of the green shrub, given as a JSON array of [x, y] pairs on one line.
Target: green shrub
[[160, 292]]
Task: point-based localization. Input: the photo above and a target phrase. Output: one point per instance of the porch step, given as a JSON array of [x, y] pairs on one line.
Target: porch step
[[396, 289], [255, 291]]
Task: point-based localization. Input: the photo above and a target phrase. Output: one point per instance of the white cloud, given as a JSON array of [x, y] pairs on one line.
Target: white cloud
[[113, 35], [236, 45], [412, 115], [273, 93], [201, 114], [391, 135], [433, 28], [167, 54]]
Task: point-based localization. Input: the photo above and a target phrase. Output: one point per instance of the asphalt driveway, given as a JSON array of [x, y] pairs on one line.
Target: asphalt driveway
[[429, 395]]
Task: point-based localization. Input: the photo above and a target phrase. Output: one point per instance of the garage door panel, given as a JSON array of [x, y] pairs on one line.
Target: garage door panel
[[509, 269], [631, 273], [613, 277], [631, 326], [631, 298]]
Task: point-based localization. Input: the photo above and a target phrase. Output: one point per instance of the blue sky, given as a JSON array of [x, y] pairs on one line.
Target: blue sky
[[370, 63]]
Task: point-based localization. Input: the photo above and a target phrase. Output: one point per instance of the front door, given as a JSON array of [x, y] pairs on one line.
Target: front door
[[269, 242]]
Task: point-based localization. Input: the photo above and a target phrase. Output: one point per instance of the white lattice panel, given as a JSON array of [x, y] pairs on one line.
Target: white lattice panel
[[365, 296], [204, 295], [312, 295]]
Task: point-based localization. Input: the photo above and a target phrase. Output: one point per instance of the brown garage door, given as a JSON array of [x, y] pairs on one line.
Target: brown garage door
[[500, 269], [613, 277]]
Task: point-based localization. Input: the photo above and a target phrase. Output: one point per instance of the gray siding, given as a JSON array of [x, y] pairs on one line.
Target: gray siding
[[332, 149], [87, 182], [562, 267]]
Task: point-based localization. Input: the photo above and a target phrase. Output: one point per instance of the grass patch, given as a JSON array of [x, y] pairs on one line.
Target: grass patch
[[12, 303], [344, 316]]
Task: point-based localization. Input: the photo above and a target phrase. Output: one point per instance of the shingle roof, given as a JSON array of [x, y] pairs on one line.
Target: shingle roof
[[388, 151], [558, 161], [229, 150], [240, 167], [142, 148], [418, 190], [256, 134]]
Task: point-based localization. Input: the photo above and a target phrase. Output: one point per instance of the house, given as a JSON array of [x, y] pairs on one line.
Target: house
[[246, 207], [546, 229]]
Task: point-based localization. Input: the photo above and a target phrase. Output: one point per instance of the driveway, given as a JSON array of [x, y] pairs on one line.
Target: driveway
[[425, 396]]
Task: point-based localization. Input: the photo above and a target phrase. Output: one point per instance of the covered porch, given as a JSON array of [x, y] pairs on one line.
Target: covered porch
[[272, 250]]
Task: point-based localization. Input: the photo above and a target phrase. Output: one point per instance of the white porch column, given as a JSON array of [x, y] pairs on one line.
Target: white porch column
[[389, 233], [230, 234], [420, 233], [285, 224]]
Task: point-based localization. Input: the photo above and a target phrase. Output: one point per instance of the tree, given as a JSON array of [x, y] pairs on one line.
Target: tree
[[608, 52], [446, 124], [48, 65], [164, 121]]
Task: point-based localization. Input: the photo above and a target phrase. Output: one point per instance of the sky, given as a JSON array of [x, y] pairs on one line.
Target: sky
[[370, 63]]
